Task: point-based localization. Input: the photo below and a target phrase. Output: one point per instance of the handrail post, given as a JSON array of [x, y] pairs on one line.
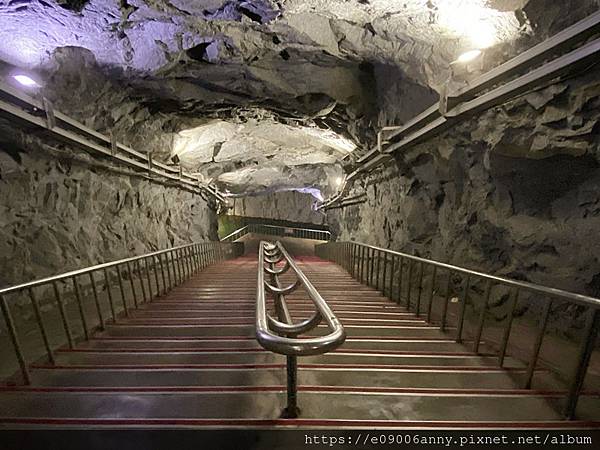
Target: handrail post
[[446, 301], [281, 335], [38, 317], [63, 315], [409, 283], [97, 301], [291, 411], [400, 275], [463, 310], [419, 289], [362, 264], [507, 330], [385, 268], [378, 270], [392, 269], [110, 296], [583, 361], [537, 345], [122, 290], [84, 324], [371, 268], [131, 282], [141, 278], [12, 331], [479, 332]]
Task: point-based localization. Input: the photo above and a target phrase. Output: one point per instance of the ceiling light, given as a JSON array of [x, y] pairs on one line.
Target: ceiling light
[[26, 81], [469, 56], [471, 20]]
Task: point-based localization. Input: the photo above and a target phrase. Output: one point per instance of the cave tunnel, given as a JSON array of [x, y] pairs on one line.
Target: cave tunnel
[[250, 214]]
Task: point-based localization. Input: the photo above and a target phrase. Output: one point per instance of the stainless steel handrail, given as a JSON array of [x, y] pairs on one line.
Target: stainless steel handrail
[[23, 107], [280, 335], [279, 230], [581, 299], [368, 263], [500, 86], [156, 274]]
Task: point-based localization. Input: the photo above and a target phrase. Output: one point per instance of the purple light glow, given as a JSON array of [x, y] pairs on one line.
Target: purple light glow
[[26, 81]]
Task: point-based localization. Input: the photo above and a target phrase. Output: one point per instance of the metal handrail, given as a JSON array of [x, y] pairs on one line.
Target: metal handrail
[[468, 99], [368, 263], [280, 335], [171, 266], [26, 108], [278, 230], [581, 299]]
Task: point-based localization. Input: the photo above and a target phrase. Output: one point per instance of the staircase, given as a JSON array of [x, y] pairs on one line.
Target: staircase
[[190, 358]]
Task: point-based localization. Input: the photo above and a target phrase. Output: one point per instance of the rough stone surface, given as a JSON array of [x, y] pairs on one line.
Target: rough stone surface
[[489, 196], [328, 64], [292, 206], [59, 214]]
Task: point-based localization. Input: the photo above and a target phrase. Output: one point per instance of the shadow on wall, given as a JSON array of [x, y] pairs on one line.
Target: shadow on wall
[[534, 185]]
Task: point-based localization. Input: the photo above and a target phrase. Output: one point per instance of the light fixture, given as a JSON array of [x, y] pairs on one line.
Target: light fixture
[[469, 56], [26, 80], [471, 20]]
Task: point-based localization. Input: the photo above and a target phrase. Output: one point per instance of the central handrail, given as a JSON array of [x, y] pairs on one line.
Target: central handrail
[[280, 335]]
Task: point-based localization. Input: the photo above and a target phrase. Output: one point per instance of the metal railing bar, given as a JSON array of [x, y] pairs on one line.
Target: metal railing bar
[[12, 332], [537, 344], [63, 315], [141, 280], [162, 271], [400, 275], [111, 302], [42, 281], [419, 290], [80, 307], [463, 309], [574, 297], [481, 322], [122, 290], [446, 301], [295, 346], [409, 283], [141, 161], [96, 300], [508, 327], [340, 252], [431, 294], [588, 342], [41, 326], [149, 279], [132, 284]]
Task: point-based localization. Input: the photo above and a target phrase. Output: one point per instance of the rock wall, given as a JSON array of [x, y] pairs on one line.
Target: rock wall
[[59, 211], [288, 205], [515, 192]]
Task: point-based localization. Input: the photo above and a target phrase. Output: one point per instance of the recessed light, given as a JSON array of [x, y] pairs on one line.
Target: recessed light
[[26, 80], [469, 56]]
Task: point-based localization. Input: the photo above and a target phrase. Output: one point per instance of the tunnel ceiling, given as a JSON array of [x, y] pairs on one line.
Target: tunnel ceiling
[[257, 95]]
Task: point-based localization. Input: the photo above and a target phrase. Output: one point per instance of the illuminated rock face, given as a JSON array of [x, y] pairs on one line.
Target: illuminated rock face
[[487, 195], [263, 75], [262, 67]]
